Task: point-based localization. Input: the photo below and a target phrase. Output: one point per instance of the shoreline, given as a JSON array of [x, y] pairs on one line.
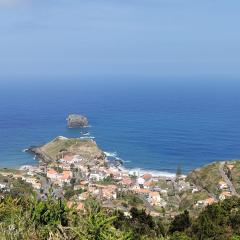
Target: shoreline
[[133, 171], [141, 171], [138, 170], [155, 173]]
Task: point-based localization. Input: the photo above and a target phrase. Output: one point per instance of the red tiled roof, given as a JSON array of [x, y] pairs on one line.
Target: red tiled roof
[[147, 176], [68, 157], [142, 190], [51, 171]]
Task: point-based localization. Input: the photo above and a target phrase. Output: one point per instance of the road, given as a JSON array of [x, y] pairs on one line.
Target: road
[[227, 180], [147, 204]]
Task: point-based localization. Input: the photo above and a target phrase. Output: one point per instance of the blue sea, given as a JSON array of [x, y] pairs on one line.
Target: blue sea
[[154, 124]]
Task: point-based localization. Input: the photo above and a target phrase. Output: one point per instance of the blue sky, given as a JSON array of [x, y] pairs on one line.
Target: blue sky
[[155, 38]]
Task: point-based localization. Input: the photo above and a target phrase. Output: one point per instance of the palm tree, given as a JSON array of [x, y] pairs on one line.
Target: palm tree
[[97, 225]]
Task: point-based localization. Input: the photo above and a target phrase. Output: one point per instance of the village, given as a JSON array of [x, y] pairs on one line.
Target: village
[[74, 178]]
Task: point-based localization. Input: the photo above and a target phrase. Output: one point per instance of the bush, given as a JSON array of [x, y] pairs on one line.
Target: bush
[[180, 222]]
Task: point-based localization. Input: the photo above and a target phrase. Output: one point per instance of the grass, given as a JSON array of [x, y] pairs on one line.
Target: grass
[[189, 199], [85, 148], [206, 177], [130, 199]]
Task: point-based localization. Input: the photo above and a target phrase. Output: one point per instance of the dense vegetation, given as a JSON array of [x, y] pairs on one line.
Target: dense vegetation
[[26, 217]]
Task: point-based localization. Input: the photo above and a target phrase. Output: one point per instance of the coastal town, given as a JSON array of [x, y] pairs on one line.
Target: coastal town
[[76, 169], [77, 179]]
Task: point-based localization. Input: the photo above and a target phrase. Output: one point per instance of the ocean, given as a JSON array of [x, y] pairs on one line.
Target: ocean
[[153, 124]]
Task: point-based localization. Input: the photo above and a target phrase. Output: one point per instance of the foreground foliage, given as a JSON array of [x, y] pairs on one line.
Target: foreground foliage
[[25, 217]]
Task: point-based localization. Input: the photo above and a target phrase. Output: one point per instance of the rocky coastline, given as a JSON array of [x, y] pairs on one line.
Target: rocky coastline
[[39, 154]]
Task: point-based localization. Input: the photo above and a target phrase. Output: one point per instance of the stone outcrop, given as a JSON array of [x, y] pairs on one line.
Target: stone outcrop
[[76, 120]]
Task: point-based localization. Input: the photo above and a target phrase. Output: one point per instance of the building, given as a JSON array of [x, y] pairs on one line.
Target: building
[[3, 186], [37, 185], [109, 192], [222, 185], [83, 196], [80, 207], [155, 199], [230, 166], [147, 176], [209, 201], [30, 180], [140, 181], [52, 174], [224, 195], [126, 181], [65, 176], [142, 191], [149, 185], [205, 202], [96, 175], [71, 159]]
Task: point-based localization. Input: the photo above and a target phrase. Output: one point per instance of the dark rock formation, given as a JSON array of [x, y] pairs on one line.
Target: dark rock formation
[[76, 120], [40, 155]]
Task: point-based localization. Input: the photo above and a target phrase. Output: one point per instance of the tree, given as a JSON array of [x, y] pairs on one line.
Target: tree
[[69, 193], [235, 237], [98, 225], [179, 171], [141, 224], [58, 169], [73, 181], [180, 222]]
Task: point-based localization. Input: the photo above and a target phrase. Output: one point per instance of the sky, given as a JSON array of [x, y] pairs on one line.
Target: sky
[[149, 38]]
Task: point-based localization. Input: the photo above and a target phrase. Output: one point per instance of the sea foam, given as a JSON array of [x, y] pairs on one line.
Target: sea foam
[[111, 154], [87, 137], [155, 173]]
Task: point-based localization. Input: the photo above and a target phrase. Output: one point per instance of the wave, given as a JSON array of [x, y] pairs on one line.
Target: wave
[[155, 173], [140, 171], [88, 126], [25, 167], [111, 154], [86, 134], [87, 137], [25, 150], [125, 161], [120, 159]]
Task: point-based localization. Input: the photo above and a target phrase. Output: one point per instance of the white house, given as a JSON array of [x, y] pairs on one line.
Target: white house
[[30, 180], [30, 173], [140, 181], [52, 174], [155, 199], [3, 186], [65, 176], [224, 195], [205, 202], [96, 175], [222, 185], [70, 159]]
